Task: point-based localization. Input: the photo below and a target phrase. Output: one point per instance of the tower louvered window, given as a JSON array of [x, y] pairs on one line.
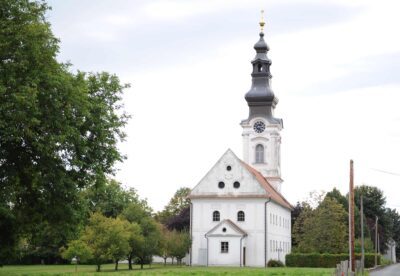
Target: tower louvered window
[[259, 153]]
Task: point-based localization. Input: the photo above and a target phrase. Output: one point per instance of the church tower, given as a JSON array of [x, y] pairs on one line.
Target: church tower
[[261, 130]]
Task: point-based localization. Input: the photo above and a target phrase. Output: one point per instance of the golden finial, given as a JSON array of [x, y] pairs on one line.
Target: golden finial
[[262, 22]]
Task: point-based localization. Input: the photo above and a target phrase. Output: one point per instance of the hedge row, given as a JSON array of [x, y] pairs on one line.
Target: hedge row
[[325, 260]]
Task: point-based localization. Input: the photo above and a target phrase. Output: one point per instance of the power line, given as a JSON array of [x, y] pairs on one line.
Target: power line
[[386, 172]]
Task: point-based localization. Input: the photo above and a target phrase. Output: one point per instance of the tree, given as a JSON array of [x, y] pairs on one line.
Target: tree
[[335, 194], [59, 130], [151, 239], [374, 206], [177, 203], [181, 221], [76, 249], [298, 228], [109, 198], [136, 241], [8, 237], [107, 239], [296, 212], [166, 244], [122, 232], [180, 245], [394, 227], [138, 212], [323, 230]]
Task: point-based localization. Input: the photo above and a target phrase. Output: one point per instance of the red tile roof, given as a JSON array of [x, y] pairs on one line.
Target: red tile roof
[[272, 193]]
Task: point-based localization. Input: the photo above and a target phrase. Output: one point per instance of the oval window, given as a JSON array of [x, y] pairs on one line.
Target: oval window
[[236, 185], [221, 185]]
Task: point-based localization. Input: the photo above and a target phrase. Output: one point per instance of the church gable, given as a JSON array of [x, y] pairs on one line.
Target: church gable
[[226, 228], [229, 178]]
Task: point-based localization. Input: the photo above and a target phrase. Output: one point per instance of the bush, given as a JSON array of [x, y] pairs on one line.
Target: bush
[[325, 260], [275, 263]]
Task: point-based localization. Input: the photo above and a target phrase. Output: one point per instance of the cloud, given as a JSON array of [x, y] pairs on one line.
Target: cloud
[[376, 70]]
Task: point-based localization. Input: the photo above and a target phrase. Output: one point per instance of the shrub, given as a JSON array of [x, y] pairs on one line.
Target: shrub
[[325, 260], [275, 263]]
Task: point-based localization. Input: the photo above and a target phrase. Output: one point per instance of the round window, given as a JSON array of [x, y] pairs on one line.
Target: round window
[[221, 185], [228, 168], [236, 185], [224, 229]]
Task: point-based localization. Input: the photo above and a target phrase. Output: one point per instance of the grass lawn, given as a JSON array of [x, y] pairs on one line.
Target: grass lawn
[[157, 269]]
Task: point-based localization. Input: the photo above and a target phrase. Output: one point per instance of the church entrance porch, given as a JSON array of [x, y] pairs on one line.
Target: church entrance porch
[[225, 244]]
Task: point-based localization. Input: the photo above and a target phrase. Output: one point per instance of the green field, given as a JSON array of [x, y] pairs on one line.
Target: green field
[[157, 270]]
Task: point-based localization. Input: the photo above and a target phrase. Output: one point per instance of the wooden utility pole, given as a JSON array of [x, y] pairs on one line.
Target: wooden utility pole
[[362, 236], [376, 241], [351, 219]]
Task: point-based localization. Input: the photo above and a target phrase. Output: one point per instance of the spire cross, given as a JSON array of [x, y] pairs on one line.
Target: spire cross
[[262, 22]]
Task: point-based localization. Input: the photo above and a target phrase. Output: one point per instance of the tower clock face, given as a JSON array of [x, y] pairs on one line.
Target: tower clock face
[[259, 127]]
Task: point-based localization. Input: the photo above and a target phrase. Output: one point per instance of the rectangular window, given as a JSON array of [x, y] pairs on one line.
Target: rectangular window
[[224, 247]]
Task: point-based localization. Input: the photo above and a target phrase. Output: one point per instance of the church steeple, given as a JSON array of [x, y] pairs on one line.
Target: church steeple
[[260, 98], [261, 130]]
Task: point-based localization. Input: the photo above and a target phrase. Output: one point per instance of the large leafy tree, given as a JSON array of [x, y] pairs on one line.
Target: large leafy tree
[[106, 238], [393, 218], [8, 237], [181, 221], [323, 229], [180, 244], [374, 203], [59, 130], [303, 212], [109, 198], [77, 250], [175, 206], [145, 244], [166, 244], [151, 232]]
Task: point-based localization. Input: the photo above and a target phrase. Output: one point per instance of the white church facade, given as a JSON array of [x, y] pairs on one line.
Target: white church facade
[[238, 216]]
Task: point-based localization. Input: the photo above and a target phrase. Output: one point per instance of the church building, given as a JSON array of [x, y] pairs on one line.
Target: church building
[[238, 216]]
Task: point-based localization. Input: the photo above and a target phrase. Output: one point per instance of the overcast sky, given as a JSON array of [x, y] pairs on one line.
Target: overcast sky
[[335, 67]]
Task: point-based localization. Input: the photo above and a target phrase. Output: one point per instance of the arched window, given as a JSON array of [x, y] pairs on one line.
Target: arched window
[[240, 216], [259, 153], [215, 216]]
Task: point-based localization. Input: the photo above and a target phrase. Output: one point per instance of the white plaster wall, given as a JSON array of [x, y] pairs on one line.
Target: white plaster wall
[[279, 231], [215, 257], [254, 225]]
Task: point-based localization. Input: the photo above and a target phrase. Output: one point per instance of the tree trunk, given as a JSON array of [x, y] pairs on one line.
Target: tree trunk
[[130, 262], [165, 261], [172, 258], [141, 263], [116, 264], [98, 267]]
